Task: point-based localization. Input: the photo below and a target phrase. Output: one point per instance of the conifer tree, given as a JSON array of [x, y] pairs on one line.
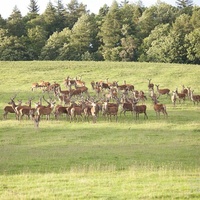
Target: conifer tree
[[33, 7]]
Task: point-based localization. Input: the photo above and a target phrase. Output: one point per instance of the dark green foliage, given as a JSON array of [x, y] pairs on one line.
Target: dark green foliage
[[122, 32]]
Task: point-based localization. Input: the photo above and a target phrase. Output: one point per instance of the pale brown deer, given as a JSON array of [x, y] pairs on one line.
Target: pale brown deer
[[158, 108]]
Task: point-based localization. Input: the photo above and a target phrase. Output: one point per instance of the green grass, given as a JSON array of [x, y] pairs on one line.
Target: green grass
[[128, 159]]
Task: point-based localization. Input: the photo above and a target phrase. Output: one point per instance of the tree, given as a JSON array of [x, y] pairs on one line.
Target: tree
[[33, 7], [50, 19], [15, 23], [61, 16], [54, 45], [12, 48], [195, 17], [192, 44], [37, 37], [81, 38], [158, 45], [184, 3], [110, 31], [2, 22], [74, 11]]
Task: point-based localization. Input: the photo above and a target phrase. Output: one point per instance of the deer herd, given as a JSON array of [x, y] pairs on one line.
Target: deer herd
[[109, 99]]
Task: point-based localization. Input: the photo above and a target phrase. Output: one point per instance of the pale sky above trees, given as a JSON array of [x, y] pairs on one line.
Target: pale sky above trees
[[7, 6]]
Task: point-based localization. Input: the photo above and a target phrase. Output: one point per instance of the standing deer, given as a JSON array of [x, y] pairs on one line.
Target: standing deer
[[11, 109], [150, 85], [162, 91], [159, 108], [46, 110], [35, 118], [139, 109], [195, 98]]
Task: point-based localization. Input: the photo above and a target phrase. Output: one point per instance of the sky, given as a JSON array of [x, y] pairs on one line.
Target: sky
[[6, 6]]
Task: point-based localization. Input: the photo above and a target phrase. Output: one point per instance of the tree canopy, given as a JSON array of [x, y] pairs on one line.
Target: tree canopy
[[124, 31]]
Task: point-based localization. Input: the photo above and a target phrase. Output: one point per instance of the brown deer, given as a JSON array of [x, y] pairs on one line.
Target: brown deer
[[195, 98], [11, 109], [150, 85], [180, 96], [110, 109], [138, 109], [162, 91], [159, 108], [59, 110], [46, 110]]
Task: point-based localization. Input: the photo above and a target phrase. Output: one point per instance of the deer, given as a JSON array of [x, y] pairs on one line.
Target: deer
[[162, 91], [158, 108], [195, 98], [46, 110], [63, 92], [185, 90], [180, 96], [150, 85], [110, 109], [34, 86], [59, 110], [139, 109], [83, 89], [44, 84], [68, 82], [74, 111], [174, 97], [11, 109], [126, 106], [79, 82], [23, 109], [35, 118]]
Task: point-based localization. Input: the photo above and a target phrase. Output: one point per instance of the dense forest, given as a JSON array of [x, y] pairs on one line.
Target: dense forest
[[122, 32]]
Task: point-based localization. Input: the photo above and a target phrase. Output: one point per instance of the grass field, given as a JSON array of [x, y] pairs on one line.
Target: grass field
[[128, 159]]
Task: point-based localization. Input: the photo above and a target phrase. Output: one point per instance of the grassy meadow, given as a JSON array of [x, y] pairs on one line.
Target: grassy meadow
[[128, 159]]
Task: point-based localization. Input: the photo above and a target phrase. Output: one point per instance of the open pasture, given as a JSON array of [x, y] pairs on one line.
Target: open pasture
[[129, 159]]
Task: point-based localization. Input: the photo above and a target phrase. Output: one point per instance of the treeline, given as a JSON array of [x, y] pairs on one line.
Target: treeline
[[122, 32]]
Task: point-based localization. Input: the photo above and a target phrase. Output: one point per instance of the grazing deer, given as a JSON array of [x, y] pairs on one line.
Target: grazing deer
[[159, 108], [162, 91]]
